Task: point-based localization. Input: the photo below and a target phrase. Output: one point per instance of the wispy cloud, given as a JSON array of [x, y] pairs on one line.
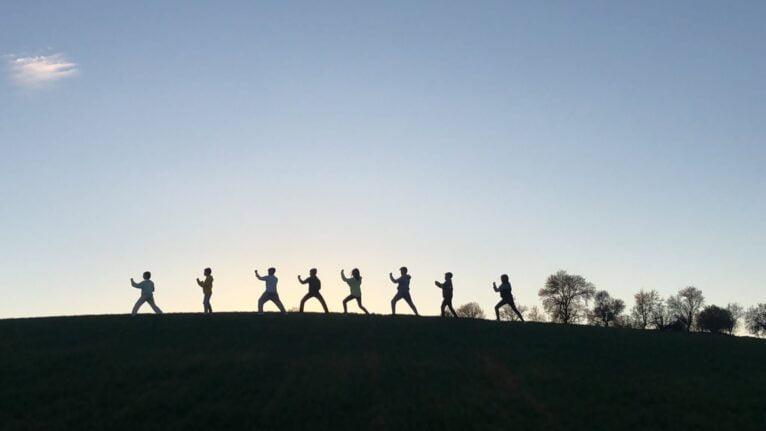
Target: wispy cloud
[[40, 70]]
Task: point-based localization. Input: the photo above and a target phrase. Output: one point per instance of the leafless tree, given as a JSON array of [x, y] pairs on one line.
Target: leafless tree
[[605, 308], [565, 296], [535, 315], [660, 316], [755, 320], [685, 305], [507, 314], [472, 310], [645, 307], [663, 319], [737, 313]]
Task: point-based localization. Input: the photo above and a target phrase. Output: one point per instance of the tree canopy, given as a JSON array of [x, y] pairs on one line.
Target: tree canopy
[[565, 296]]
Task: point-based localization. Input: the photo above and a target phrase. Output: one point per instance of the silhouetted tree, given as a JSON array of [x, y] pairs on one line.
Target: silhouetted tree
[[685, 305], [605, 308], [645, 307], [471, 310], [663, 319], [755, 320], [535, 315], [565, 296], [715, 319], [506, 313], [737, 312]]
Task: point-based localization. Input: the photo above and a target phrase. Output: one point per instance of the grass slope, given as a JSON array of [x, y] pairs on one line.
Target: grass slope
[[244, 371]]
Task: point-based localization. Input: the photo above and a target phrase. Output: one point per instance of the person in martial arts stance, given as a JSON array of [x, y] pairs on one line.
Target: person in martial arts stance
[[446, 288], [271, 291], [355, 285], [207, 290], [402, 290], [506, 298], [314, 285], [147, 293]]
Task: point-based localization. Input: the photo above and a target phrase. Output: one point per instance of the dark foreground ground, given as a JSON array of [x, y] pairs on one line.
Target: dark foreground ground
[[244, 371]]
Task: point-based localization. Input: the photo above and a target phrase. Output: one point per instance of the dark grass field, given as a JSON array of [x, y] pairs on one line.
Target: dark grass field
[[245, 371]]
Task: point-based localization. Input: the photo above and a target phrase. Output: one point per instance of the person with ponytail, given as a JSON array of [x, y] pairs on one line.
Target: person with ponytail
[[355, 286]]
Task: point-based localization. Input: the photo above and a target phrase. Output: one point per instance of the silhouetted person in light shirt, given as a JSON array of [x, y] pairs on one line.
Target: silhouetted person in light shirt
[[402, 290], [314, 285], [446, 288], [355, 285], [147, 293], [207, 290], [506, 298], [271, 291]]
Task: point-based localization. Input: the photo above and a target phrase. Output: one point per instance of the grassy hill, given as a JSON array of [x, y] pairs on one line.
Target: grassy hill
[[244, 371]]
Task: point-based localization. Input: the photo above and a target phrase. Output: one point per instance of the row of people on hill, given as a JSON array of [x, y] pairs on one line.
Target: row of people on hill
[[315, 285]]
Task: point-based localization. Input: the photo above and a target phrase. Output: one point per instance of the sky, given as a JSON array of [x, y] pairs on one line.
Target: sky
[[622, 141]]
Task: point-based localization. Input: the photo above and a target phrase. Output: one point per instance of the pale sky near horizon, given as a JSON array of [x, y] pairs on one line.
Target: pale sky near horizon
[[623, 141]]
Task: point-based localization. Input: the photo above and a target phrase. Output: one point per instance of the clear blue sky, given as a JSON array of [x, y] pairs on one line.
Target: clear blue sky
[[624, 141]]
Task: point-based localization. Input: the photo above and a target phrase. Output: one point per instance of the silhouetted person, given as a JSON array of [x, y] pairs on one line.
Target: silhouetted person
[[402, 290], [506, 296], [147, 293], [446, 288], [314, 285], [207, 290], [355, 285], [271, 291]]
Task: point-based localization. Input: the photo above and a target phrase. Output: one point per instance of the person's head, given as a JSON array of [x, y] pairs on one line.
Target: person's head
[[355, 273], [313, 272], [147, 275], [403, 270], [448, 276], [208, 271], [272, 271], [504, 278]]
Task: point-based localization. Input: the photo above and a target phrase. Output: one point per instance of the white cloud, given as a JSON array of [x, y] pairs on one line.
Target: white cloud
[[37, 71]]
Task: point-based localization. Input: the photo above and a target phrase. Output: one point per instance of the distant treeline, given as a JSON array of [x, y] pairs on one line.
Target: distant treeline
[[569, 298]]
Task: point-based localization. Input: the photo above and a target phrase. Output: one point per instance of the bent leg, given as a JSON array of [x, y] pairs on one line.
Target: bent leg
[[345, 301], [498, 307], [262, 300], [303, 301], [394, 300]]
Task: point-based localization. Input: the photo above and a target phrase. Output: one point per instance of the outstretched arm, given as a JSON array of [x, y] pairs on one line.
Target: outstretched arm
[[391, 276], [439, 285], [258, 276], [343, 276], [301, 281], [133, 283], [494, 287], [200, 283]]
